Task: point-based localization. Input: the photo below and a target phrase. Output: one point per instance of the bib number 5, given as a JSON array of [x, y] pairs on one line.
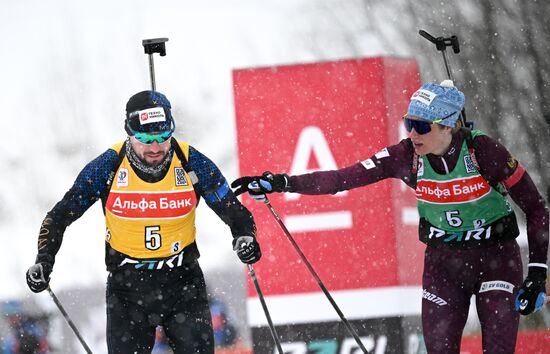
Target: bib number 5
[[152, 238], [452, 218]]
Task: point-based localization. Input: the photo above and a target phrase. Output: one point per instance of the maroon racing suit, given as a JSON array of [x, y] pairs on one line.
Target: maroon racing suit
[[452, 275]]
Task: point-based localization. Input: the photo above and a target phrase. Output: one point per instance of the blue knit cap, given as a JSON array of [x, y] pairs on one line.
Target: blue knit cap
[[440, 104], [148, 111]]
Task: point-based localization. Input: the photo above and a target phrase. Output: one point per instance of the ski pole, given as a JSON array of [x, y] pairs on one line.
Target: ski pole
[[151, 46], [69, 321], [266, 311], [441, 44], [312, 271]]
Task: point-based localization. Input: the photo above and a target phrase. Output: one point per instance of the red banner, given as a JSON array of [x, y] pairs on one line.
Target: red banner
[[324, 116]]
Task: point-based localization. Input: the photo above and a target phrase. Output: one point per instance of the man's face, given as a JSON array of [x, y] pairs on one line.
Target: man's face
[[151, 154]]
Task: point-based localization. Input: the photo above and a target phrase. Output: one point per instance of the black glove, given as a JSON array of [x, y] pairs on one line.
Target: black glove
[[260, 185], [38, 276], [532, 294], [247, 248]]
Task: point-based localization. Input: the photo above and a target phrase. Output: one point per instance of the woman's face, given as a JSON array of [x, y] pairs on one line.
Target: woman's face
[[436, 141]]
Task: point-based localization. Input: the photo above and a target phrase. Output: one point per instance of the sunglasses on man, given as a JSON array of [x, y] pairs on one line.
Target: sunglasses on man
[[149, 138]]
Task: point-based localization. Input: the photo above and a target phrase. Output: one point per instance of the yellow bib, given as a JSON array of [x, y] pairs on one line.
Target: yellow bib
[[151, 220]]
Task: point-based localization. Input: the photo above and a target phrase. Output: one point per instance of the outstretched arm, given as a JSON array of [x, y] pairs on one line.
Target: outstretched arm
[[392, 162]]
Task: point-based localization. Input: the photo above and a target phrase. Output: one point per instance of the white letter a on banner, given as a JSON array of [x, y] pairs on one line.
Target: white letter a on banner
[[311, 141]]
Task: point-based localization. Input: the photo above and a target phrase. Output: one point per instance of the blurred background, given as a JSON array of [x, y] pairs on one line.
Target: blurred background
[[67, 69]]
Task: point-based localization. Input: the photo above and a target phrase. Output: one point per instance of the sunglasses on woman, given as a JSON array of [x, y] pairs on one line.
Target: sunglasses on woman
[[420, 126]]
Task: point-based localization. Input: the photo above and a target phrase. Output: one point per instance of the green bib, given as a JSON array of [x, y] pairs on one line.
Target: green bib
[[460, 208]]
